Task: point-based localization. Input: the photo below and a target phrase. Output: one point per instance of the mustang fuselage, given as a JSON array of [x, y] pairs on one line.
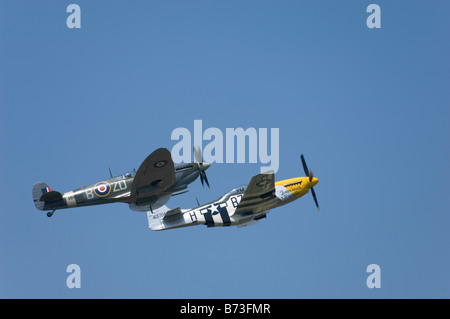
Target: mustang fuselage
[[228, 210]]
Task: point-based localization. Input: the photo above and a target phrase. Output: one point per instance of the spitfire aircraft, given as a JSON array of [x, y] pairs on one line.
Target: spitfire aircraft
[[242, 206], [156, 180]]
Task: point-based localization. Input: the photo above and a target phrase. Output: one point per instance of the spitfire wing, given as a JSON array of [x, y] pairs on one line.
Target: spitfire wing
[[155, 175], [259, 192]]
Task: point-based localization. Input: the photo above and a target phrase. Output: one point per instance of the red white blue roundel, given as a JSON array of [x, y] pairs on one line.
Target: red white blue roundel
[[102, 189]]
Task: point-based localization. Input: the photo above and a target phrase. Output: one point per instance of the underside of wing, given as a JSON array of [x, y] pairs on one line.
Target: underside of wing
[[260, 191], [155, 175]]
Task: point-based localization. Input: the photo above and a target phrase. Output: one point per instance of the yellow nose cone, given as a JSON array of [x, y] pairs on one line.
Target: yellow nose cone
[[313, 182]]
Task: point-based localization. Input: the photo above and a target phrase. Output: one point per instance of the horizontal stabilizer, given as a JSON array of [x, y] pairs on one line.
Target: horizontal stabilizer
[[51, 196], [173, 213], [157, 217]]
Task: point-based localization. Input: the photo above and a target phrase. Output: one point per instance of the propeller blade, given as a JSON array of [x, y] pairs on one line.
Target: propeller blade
[[203, 174], [315, 198], [305, 168], [201, 178], [198, 154], [199, 159], [310, 175]]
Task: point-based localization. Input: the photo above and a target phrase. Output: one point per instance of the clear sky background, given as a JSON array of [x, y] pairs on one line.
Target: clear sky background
[[369, 109]]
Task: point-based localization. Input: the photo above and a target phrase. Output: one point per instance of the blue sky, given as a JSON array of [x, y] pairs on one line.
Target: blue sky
[[369, 109]]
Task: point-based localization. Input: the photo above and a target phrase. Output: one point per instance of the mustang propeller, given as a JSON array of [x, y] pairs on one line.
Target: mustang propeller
[[202, 165], [311, 176]]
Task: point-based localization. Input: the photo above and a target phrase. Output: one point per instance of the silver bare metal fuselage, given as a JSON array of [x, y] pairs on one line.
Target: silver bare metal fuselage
[[220, 212]]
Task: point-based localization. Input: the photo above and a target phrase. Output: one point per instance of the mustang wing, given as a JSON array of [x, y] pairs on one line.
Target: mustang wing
[[155, 175], [259, 192]]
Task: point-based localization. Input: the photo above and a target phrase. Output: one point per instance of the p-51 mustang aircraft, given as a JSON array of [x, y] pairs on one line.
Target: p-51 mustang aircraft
[[156, 180], [241, 206]]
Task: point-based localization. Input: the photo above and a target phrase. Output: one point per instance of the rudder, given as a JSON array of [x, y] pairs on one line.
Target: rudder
[[43, 194], [155, 217]]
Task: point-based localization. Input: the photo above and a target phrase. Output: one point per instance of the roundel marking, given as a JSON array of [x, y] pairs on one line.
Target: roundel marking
[[102, 189], [159, 164]]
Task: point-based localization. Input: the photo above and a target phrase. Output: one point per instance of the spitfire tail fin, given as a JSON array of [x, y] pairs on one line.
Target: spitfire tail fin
[[43, 194]]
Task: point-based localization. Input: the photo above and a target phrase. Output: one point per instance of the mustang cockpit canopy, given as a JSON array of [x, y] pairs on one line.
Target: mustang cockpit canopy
[[236, 190]]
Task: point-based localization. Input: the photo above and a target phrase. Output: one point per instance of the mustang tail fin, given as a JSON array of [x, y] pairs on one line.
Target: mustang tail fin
[[157, 217], [43, 194]]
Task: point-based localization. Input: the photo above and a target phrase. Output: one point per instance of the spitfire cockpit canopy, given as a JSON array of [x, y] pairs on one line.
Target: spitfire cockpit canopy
[[128, 174]]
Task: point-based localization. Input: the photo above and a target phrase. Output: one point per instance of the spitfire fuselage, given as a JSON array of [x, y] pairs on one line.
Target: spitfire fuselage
[[118, 189]]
